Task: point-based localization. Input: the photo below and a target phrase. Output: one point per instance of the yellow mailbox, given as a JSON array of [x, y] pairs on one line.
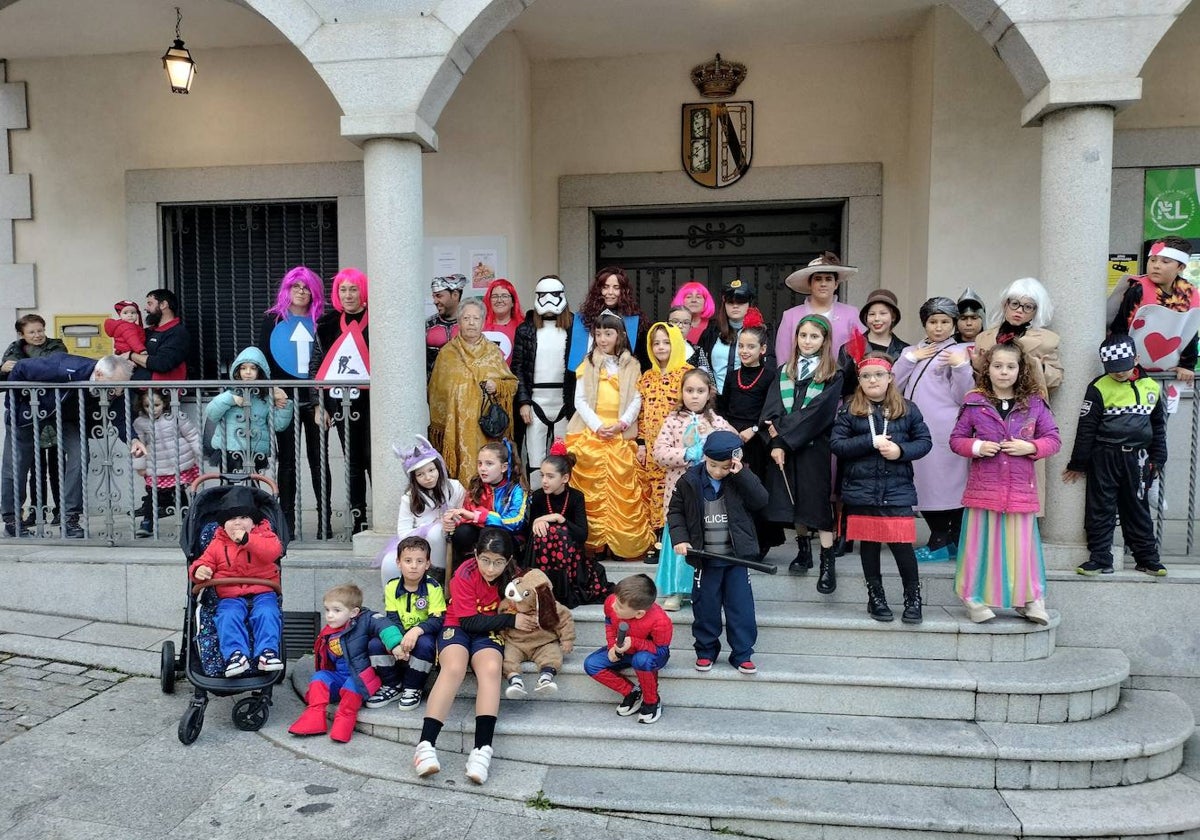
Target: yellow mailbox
[[84, 335]]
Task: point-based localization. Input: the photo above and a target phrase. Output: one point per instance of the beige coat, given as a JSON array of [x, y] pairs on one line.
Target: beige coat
[[1041, 345]]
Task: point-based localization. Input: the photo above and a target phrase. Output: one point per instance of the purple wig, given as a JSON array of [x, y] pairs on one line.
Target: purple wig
[[310, 281], [686, 289]]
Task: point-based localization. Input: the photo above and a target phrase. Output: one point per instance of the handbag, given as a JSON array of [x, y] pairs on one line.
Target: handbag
[[493, 419]]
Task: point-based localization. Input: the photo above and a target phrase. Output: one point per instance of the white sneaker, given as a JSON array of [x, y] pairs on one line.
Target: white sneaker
[[516, 688], [477, 764], [978, 613], [673, 603], [425, 760], [546, 684], [1035, 611]]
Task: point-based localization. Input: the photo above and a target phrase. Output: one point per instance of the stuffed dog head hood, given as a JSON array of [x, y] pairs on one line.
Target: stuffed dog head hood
[[532, 593]]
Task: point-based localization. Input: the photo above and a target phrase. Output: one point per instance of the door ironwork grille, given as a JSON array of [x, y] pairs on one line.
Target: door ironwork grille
[[660, 251]]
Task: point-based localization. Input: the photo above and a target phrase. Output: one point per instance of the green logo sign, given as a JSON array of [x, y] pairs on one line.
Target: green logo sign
[[1172, 206]]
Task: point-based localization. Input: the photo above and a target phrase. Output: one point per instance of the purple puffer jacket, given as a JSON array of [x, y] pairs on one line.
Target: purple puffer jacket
[[1004, 483]]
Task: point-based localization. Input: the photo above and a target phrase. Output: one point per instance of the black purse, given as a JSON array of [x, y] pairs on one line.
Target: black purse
[[493, 419]]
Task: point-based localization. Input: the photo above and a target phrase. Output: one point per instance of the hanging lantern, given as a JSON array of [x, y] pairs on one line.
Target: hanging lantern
[[177, 61]]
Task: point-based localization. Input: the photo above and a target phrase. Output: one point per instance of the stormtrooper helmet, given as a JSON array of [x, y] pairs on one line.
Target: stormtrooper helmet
[[550, 296]]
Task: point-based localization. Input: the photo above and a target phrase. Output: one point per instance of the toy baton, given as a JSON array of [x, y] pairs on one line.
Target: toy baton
[[768, 568]]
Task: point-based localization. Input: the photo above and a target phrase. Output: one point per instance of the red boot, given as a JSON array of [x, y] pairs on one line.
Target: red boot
[[312, 721], [349, 703]]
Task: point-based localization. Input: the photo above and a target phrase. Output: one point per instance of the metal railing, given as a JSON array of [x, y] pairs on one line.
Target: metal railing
[[1175, 501], [90, 462]]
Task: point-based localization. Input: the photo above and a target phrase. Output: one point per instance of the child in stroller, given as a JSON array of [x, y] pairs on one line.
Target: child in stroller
[[201, 660], [244, 547]]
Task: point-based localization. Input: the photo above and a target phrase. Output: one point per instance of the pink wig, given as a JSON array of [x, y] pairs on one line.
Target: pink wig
[[688, 288], [307, 278], [355, 278]]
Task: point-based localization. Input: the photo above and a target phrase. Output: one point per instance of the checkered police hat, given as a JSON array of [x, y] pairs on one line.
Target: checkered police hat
[[1118, 354]]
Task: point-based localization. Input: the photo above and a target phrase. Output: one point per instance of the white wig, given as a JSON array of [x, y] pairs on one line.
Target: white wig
[[1026, 287]]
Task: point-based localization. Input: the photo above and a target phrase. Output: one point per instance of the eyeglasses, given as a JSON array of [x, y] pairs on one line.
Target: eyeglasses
[[873, 377], [501, 296], [498, 563], [1027, 308], [681, 324]]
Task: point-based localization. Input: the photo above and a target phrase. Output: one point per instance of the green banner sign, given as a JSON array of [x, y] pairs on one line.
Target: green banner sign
[[1172, 203]]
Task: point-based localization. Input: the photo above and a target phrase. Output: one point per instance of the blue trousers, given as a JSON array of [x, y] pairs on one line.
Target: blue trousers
[[266, 623], [717, 587], [410, 674]]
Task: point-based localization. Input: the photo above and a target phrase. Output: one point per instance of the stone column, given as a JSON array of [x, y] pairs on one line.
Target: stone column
[[394, 236], [1076, 197]]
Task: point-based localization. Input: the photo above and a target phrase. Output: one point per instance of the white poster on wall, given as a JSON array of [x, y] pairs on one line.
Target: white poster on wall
[[478, 257]]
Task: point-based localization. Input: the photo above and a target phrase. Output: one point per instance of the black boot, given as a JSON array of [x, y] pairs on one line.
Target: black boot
[[803, 562], [72, 528], [827, 578], [912, 603], [844, 547], [877, 605]]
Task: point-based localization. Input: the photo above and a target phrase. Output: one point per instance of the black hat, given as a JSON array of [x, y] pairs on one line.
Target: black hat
[[1118, 354], [720, 445], [737, 289], [238, 501]]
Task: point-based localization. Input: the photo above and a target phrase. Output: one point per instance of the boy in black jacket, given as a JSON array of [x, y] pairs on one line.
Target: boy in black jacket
[[711, 511]]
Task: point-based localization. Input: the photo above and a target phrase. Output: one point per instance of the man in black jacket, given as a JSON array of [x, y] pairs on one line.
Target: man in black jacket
[[168, 342], [710, 511]]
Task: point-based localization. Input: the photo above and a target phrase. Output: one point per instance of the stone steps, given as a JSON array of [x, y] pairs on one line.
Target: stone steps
[[1072, 684], [1142, 740], [834, 810], [840, 629]]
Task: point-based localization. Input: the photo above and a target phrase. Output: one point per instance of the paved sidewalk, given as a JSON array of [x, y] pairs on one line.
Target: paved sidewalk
[[33, 690], [89, 752]]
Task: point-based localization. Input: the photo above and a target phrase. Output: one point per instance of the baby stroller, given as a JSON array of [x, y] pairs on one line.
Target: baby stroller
[[200, 660]]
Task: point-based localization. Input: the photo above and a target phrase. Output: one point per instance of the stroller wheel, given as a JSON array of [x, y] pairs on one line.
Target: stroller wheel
[[250, 713], [191, 723], [166, 668]]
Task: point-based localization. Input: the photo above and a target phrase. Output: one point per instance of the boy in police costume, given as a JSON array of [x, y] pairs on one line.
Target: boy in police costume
[[1120, 446], [712, 510]]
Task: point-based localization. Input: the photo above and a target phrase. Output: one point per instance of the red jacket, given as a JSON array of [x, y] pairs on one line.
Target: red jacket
[[650, 633], [256, 559], [470, 595], [126, 335]]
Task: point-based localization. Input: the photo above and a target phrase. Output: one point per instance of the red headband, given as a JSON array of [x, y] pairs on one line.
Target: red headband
[[877, 362]]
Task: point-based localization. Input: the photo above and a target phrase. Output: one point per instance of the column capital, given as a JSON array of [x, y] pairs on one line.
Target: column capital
[[1116, 93], [359, 128]]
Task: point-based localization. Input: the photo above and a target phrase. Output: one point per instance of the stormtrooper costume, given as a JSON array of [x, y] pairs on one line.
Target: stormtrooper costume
[[543, 381]]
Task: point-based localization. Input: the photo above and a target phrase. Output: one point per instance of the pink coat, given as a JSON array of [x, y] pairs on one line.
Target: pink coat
[[678, 432], [1004, 483]]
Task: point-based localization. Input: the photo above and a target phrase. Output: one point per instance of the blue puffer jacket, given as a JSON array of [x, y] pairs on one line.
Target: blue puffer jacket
[[235, 431], [869, 479]]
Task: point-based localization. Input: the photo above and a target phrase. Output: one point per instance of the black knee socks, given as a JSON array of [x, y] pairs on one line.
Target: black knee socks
[[430, 729], [485, 730]]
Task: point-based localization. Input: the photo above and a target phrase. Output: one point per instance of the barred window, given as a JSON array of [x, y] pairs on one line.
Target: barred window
[[225, 262]]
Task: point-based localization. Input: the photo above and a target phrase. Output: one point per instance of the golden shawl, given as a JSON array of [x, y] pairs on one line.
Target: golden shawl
[[455, 399]]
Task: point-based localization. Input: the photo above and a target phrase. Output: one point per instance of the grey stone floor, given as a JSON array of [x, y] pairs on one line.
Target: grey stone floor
[[110, 764]]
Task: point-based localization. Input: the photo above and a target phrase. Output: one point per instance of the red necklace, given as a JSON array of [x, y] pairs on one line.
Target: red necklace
[[566, 501], [753, 382]]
